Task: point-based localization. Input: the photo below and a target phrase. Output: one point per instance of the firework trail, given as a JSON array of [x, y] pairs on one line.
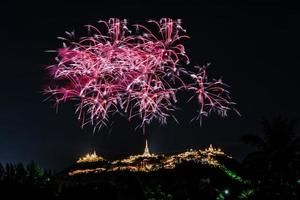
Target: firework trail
[[115, 71]]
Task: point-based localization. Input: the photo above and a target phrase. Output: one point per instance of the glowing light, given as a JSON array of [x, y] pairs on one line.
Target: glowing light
[[154, 162], [213, 151], [86, 171], [93, 157], [146, 151], [116, 70], [226, 191], [246, 194], [233, 175]]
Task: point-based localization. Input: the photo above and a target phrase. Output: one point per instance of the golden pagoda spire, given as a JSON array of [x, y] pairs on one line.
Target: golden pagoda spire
[[146, 150]]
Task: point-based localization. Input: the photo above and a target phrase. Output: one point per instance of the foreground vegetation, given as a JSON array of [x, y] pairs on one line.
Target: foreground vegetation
[[270, 172]]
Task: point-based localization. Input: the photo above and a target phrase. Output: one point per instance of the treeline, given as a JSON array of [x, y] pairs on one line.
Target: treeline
[[20, 174], [30, 180]]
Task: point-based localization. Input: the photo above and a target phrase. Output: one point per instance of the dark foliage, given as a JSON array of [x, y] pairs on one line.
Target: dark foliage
[[187, 181], [270, 172], [275, 165]]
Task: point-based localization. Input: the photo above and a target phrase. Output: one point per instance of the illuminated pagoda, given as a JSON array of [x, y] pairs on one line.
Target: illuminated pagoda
[[93, 157], [148, 162], [210, 166], [146, 150]]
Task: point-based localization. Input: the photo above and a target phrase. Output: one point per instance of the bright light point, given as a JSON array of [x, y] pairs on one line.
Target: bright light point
[[226, 191]]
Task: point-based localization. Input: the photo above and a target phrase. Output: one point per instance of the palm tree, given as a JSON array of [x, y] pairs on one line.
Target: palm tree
[[275, 164]]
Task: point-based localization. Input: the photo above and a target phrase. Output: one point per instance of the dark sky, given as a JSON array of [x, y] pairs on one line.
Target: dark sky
[[253, 46]]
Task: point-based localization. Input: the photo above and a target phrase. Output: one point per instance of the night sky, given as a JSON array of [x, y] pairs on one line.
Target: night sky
[[254, 47]]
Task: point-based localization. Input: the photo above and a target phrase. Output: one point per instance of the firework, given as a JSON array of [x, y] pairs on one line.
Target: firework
[[116, 70]]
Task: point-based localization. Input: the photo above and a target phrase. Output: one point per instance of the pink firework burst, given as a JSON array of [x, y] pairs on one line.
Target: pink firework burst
[[115, 71]]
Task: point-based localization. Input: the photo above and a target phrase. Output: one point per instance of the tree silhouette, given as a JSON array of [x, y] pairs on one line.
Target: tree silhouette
[[34, 171], [2, 171], [20, 173], [275, 164]]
